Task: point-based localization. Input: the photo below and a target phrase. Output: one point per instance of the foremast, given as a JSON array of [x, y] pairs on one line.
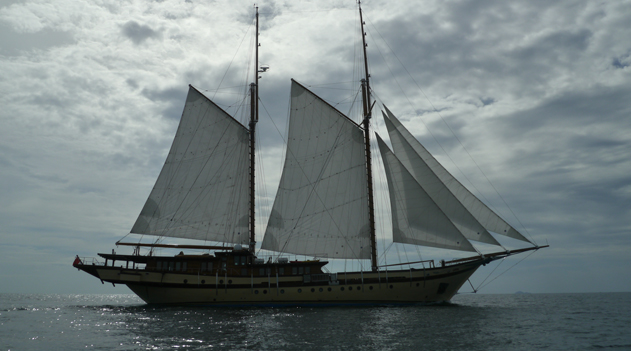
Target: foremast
[[366, 123], [254, 117]]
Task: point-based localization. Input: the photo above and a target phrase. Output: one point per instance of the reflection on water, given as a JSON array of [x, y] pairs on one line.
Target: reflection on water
[[472, 322]]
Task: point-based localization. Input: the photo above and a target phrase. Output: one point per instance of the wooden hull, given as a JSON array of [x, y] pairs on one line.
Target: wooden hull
[[351, 288]]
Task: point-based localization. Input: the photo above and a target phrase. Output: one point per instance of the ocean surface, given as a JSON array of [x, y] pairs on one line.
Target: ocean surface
[[470, 322]]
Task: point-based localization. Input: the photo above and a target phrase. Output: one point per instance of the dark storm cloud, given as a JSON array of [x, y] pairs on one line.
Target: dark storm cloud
[[467, 45], [138, 33], [621, 62], [174, 97], [605, 105], [571, 156]]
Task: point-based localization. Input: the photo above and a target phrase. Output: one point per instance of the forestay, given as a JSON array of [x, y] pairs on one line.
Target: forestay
[[322, 200], [202, 191]]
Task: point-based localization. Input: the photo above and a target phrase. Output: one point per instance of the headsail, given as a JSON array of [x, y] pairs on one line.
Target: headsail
[[416, 218], [202, 191], [320, 207], [404, 143], [436, 190]]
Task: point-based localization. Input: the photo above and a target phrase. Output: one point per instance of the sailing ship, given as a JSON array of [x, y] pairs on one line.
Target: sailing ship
[[324, 208]]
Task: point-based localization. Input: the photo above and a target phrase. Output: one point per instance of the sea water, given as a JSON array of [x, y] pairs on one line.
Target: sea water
[[469, 322]]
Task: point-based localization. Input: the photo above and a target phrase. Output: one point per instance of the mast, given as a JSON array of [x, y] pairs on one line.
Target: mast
[[366, 124], [254, 117]]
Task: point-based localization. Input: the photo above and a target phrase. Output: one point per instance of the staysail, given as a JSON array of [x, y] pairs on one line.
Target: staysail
[[436, 190], [202, 191], [416, 218], [420, 163], [320, 206]]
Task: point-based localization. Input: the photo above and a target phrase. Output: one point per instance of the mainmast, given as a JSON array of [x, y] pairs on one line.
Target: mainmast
[[366, 123], [254, 117]]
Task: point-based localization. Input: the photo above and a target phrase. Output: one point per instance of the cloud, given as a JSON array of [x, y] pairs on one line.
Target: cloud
[[18, 43], [138, 33], [622, 62], [537, 92]]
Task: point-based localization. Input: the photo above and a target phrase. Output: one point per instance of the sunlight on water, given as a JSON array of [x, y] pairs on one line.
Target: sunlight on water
[[471, 322]]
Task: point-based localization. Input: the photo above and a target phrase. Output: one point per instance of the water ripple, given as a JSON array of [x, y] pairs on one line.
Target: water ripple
[[471, 322]]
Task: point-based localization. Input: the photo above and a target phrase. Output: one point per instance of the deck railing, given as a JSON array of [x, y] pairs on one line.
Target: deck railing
[[91, 261]]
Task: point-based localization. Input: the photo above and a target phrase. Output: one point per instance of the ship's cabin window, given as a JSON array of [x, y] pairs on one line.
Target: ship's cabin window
[[240, 260], [294, 270], [207, 266], [301, 270], [184, 266], [262, 271], [281, 271], [171, 264], [307, 270], [244, 271], [178, 265], [159, 265]]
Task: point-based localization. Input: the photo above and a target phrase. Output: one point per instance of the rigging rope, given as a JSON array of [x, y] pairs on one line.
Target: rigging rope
[[499, 275]]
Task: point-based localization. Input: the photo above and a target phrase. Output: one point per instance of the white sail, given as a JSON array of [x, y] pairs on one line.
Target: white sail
[[321, 205], [416, 218], [484, 215], [202, 191], [431, 184]]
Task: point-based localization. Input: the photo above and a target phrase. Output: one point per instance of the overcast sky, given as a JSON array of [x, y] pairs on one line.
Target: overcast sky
[[533, 95]]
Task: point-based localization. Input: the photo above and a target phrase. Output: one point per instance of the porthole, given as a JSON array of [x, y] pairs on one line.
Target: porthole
[[391, 287], [221, 281], [350, 288], [359, 288], [370, 287], [312, 290], [264, 291], [416, 284], [185, 281], [342, 288], [230, 281], [203, 282], [329, 289], [299, 290], [282, 291], [256, 292], [321, 290]]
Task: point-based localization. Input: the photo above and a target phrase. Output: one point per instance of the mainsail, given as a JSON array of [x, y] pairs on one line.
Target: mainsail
[[320, 206], [445, 188], [202, 191]]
